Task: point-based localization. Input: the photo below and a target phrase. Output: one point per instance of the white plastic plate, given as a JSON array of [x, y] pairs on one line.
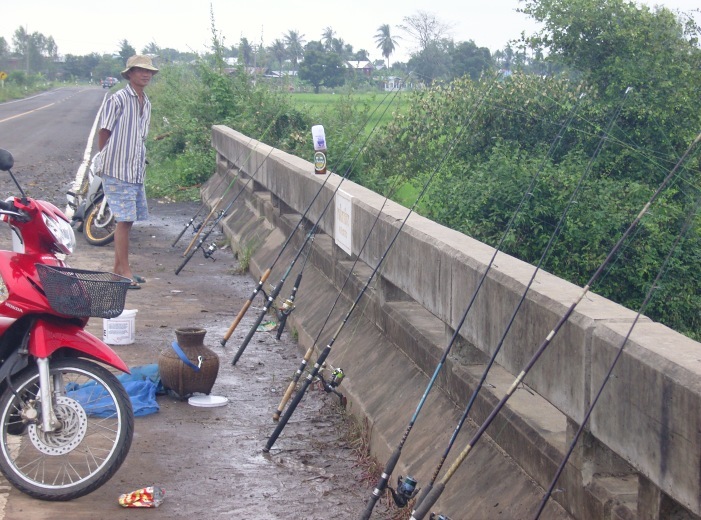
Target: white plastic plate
[[207, 401]]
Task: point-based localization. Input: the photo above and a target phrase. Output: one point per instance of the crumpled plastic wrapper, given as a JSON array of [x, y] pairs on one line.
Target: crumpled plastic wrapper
[[151, 496]]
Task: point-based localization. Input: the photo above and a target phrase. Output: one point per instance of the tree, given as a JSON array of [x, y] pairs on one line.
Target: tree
[[468, 59], [152, 49], [321, 68], [277, 49], [294, 42], [245, 52], [424, 28], [327, 38], [433, 62], [385, 42], [126, 51]]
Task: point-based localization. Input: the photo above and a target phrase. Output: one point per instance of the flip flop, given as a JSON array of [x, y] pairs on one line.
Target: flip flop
[[134, 285], [139, 279]]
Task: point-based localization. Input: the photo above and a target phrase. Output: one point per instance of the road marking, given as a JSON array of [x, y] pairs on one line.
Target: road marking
[[26, 113]]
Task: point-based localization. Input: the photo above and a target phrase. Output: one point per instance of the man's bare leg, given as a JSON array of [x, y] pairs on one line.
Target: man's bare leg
[[121, 249]]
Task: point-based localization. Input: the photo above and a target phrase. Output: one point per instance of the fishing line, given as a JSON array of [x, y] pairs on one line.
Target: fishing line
[[221, 182], [276, 290], [648, 297], [438, 489], [308, 354], [556, 232], [382, 483], [322, 357]]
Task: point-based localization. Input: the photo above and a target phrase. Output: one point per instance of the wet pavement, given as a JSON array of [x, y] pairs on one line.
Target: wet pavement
[[210, 460]]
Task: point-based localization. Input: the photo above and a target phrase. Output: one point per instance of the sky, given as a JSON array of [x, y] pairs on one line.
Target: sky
[[81, 27]]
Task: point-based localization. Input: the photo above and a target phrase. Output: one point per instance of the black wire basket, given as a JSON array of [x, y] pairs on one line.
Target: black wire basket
[[81, 293]]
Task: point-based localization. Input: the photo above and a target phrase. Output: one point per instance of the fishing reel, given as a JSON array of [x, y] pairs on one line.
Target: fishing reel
[[406, 490], [286, 308], [434, 516], [210, 251], [330, 386]]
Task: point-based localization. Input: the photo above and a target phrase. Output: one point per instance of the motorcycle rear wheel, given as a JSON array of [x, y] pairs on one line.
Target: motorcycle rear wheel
[[97, 426], [99, 231]]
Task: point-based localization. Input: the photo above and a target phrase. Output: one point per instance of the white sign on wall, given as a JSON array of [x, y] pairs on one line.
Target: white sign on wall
[[343, 222]]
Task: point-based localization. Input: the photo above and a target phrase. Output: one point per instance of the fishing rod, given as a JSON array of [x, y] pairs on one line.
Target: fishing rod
[[213, 247], [191, 222], [653, 287], [401, 496], [544, 255], [204, 223], [267, 272], [308, 354], [327, 350], [289, 304], [437, 490]]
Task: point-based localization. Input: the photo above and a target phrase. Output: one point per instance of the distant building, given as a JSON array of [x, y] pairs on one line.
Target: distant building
[[361, 67]]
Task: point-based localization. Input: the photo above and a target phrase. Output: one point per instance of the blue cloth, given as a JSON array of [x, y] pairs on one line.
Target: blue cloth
[[141, 386]]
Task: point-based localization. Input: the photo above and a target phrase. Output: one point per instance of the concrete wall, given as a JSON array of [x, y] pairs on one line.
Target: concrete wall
[[640, 456]]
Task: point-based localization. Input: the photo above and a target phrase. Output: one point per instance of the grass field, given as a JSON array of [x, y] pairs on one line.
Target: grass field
[[319, 103]]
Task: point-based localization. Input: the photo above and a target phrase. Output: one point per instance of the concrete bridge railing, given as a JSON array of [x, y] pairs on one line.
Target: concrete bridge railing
[[640, 456]]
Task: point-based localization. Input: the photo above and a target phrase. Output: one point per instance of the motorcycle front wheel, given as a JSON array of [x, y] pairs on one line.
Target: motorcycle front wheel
[[93, 439], [99, 229]]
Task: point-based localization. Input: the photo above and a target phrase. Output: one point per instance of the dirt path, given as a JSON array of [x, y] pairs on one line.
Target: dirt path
[[209, 460]]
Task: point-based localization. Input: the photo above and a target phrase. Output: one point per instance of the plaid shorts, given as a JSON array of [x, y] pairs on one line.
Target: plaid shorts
[[127, 200]]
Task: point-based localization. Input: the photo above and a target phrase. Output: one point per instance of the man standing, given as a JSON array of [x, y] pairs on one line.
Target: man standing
[[124, 124]]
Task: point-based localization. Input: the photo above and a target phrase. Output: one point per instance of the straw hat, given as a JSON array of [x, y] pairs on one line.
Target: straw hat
[[143, 62]]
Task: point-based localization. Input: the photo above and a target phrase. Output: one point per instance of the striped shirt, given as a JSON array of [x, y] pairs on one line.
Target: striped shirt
[[124, 155]]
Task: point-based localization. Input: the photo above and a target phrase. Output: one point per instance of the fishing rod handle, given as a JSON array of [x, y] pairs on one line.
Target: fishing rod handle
[[288, 413], [245, 307], [182, 232], [428, 502], [252, 331], [236, 322], [187, 259], [281, 326], [293, 383], [381, 485]]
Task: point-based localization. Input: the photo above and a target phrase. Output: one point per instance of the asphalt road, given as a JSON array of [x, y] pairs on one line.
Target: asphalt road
[[209, 460]]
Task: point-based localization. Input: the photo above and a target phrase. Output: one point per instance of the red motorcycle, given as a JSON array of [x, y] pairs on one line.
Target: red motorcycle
[[66, 422]]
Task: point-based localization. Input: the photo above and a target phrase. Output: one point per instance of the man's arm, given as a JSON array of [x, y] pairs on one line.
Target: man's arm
[[102, 136]]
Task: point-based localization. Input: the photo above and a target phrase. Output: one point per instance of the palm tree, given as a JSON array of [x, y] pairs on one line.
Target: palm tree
[[327, 37], [385, 42], [277, 49], [295, 46]]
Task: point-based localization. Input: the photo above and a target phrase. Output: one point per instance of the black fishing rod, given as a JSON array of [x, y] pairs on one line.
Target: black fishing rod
[[267, 272], [641, 310], [401, 497], [437, 490], [289, 304], [327, 350], [308, 354], [191, 222], [222, 213], [544, 255]]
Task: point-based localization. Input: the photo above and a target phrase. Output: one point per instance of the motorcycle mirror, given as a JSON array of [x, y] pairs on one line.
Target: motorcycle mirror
[[6, 160]]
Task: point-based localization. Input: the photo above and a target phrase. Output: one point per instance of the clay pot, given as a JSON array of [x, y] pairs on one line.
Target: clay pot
[[179, 377]]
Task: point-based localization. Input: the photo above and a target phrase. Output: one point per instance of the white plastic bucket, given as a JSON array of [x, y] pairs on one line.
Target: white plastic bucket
[[120, 330]]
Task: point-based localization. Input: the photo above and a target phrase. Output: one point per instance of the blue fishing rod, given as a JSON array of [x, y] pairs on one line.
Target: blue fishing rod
[[438, 488], [406, 490], [327, 350]]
